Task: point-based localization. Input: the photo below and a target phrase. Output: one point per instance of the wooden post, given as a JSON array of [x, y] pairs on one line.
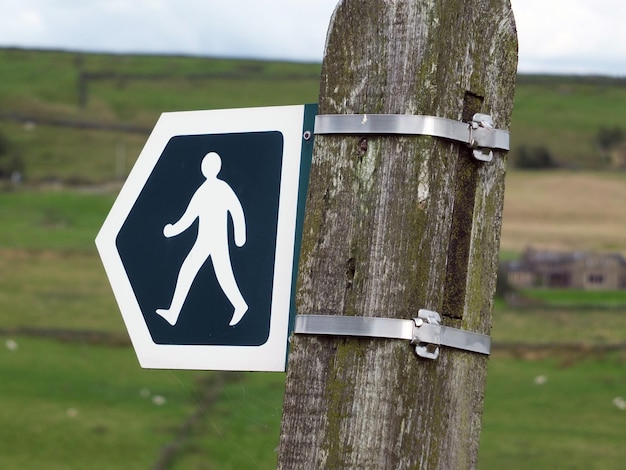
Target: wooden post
[[398, 223]]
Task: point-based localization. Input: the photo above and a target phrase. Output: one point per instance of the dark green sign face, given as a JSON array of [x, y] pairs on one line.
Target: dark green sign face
[[208, 278]]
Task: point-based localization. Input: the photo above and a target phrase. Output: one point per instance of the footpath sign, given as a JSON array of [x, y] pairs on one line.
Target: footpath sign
[[201, 245]]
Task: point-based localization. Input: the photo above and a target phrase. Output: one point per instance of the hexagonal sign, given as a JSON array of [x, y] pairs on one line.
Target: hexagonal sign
[[201, 245]]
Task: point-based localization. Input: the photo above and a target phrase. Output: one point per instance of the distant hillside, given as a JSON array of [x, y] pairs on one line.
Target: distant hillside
[[564, 114], [84, 117]]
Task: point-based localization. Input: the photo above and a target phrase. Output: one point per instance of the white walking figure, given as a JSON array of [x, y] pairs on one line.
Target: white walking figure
[[210, 204]]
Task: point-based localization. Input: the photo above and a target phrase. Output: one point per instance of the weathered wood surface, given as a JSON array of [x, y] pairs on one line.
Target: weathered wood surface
[[394, 224]]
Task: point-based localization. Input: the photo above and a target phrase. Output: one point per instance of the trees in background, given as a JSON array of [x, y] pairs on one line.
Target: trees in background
[[611, 142], [11, 165]]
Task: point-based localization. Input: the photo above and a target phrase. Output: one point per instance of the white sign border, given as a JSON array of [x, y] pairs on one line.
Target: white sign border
[[270, 356]]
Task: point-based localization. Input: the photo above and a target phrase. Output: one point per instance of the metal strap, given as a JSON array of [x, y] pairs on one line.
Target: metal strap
[[479, 134], [337, 325], [423, 331]]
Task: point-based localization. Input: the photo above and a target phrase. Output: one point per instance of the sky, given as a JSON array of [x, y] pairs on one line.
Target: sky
[[555, 36]]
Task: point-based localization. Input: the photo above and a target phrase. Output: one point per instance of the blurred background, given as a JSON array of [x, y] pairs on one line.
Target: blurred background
[[82, 84]]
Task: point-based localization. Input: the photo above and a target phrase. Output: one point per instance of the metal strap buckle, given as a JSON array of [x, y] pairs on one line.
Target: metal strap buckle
[[424, 331]]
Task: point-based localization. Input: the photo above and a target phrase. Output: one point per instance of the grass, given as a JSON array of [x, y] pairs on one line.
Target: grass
[[242, 429], [563, 114], [61, 397], [590, 326], [53, 290], [76, 406], [184, 95], [74, 156], [578, 298], [60, 411], [539, 414], [59, 220], [50, 274], [34, 80], [45, 85]]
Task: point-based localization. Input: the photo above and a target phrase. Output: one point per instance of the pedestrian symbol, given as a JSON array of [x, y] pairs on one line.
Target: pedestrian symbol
[[200, 246], [210, 204]]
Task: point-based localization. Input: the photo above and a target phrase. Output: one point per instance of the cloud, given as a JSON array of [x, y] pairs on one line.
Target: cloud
[[576, 36], [571, 37], [283, 29]]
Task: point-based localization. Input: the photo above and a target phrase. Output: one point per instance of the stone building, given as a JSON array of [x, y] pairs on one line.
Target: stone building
[[570, 270]]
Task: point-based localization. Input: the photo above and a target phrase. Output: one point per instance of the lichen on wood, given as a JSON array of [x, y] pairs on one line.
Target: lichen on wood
[[388, 230]]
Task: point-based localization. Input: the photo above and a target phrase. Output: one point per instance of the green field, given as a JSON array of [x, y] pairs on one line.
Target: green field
[[72, 406], [72, 393], [565, 298], [550, 413], [76, 396], [561, 114], [124, 90]]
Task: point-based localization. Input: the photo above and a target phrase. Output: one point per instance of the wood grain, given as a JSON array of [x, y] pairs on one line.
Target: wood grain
[[395, 224]]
